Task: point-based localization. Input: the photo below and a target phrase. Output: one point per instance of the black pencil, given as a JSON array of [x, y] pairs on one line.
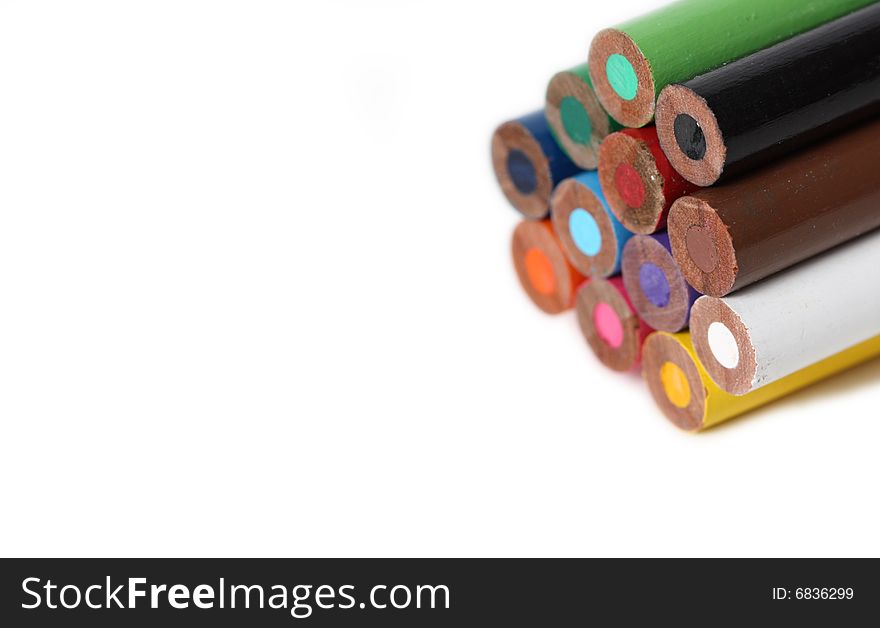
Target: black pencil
[[748, 112]]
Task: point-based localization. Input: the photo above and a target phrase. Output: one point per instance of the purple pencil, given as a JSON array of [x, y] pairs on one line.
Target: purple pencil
[[655, 284]]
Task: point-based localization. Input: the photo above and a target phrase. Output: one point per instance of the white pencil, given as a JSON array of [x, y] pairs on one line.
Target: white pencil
[[791, 320]]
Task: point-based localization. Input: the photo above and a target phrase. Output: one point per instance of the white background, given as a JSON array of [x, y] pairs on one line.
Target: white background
[[257, 300]]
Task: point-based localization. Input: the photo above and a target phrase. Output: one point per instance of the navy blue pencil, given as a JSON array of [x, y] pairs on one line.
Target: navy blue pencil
[[529, 163]]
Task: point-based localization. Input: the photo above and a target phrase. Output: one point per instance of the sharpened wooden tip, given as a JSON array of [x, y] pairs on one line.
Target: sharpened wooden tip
[[632, 112], [702, 246], [689, 135]]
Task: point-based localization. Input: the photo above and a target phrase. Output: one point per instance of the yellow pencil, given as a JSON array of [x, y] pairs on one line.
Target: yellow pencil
[[691, 400]]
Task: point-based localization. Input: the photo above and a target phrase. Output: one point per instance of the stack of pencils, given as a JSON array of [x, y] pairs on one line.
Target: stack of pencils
[[704, 193]]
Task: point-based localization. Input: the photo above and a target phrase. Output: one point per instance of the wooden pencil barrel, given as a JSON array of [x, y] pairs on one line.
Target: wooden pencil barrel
[[689, 398], [576, 118], [746, 113], [785, 323], [590, 234], [637, 179], [543, 270], [528, 164], [655, 283], [631, 63], [610, 324], [734, 234]]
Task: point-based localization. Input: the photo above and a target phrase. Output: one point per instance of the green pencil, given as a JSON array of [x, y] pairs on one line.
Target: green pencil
[[632, 62], [577, 120]]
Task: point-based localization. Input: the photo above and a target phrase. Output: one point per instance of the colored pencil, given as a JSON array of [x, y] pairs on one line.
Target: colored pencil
[[734, 234], [638, 180], [655, 284], [590, 234], [529, 163], [542, 268], [785, 323], [631, 63], [609, 323], [692, 401], [751, 111], [577, 120]]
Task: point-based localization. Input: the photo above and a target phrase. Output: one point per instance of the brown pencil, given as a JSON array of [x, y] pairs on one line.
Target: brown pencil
[[729, 236]]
